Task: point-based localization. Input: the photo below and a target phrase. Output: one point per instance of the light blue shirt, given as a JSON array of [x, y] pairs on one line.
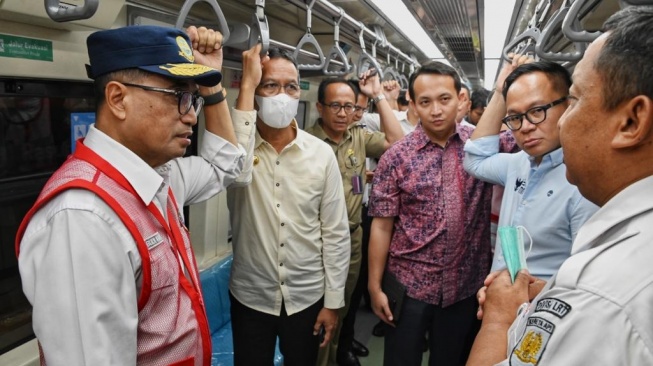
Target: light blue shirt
[[538, 198]]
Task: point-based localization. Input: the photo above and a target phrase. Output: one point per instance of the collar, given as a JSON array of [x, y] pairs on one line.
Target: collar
[[551, 159], [145, 180], [299, 140], [318, 132], [422, 140]]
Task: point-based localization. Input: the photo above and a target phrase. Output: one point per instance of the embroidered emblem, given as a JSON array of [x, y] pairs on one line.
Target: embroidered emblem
[[554, 306], [531, 346], [256, 159], [153, 240], [186, 69], [184, 49], [520, 185]]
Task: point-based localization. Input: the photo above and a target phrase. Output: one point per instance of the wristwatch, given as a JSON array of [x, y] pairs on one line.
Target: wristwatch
[[378, 98], [215, 98]]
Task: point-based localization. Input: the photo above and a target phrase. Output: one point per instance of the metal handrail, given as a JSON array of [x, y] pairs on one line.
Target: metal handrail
[[66, 14], [222, 22]]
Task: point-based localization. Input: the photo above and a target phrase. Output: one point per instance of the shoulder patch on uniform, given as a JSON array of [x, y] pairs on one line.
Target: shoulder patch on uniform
[[554, 306], [532, 344]]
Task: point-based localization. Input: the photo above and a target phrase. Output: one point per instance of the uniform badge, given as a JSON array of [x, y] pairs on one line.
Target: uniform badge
[[532, 344], [553, 306], [153, 241], [184, 49], [256, 159]]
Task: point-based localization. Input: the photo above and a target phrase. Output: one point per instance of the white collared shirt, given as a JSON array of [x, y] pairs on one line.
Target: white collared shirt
[[290, 229]]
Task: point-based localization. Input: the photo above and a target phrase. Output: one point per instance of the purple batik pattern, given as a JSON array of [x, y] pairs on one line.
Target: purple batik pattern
[[440, 248]]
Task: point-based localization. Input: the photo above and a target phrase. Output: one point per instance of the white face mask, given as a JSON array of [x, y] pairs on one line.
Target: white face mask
[[277, 111]]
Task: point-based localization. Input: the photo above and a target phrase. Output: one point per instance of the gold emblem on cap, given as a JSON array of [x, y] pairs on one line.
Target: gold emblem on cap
[[256, 159], [186, 69], [184, 49]]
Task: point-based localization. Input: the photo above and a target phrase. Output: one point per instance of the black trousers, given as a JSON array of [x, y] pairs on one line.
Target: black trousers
[[360, 291], [450, 330], [255, 335]]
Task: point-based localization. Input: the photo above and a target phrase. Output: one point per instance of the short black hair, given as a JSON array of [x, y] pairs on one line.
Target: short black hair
[[321, 90], [437, 68], [401, 99], [126, 75], [558, 75], [624, 63], [479, 98], [354, 85], [277, 52]]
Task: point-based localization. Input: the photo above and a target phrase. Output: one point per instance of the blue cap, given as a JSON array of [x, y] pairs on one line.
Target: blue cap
[[160, 50]]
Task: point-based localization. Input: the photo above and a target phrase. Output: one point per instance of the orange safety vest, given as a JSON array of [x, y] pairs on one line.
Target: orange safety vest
[[172, 324]]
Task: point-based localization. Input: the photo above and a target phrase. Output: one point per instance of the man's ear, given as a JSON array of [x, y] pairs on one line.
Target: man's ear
[[115, 98], [635, 118], [319, 106]]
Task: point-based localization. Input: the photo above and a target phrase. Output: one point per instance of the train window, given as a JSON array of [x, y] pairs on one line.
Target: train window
[[35, 138]]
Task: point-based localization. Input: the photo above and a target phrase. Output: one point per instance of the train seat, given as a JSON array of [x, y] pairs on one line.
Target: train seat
[[215, 288]]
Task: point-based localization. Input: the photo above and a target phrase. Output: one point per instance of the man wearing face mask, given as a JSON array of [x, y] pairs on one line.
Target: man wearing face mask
[[290, 233]]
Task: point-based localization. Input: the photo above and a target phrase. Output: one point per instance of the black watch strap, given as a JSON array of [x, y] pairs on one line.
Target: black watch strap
[[215, 98]]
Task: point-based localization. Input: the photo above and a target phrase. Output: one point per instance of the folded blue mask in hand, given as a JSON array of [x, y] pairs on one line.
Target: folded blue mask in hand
[[512, 246]]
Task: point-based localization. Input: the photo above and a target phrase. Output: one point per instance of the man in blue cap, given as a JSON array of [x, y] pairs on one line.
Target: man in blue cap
[[104, 254]]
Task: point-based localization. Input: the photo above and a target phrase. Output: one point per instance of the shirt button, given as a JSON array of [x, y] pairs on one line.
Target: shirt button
[[282, 224], [277, 184], [278, 162], [282, 244], [281, 264], [278, 205], [246, 123], [282, 283]]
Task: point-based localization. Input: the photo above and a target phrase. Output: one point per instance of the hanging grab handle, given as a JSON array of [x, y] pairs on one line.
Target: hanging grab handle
[[260, 31], [66, 14], [365, 61], [529, 34], [337, 52], [571, 20], [390, 73], [554, 26], [222, 22], [308, 38]]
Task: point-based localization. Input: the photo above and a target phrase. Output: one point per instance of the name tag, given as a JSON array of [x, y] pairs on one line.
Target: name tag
[[153, 240]]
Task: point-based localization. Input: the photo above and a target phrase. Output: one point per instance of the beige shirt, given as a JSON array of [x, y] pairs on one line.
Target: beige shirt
[[351, 152], [289, 227]]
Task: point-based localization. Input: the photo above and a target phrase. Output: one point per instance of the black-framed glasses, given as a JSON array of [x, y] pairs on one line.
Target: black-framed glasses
[[534, 115], [337, 107], [185, 99], [271, 88]]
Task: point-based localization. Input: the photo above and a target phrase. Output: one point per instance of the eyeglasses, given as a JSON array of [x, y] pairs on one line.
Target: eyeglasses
[[337, 107], [185, 99], [358, 109], [271, 88], [534, 115]]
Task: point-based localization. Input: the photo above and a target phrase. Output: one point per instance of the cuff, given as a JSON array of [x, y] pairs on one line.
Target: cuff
[[334, 299]]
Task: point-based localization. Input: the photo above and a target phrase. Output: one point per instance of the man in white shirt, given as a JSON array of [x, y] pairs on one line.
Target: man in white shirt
[[290, 232], [596, 310], [104, 255]]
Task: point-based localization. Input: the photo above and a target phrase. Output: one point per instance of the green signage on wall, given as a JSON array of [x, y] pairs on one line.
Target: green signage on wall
[[304, 85], [28, 48]]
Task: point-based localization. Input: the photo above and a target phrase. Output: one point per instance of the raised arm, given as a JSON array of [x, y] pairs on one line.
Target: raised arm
[[490, 122], [370, 85], [207, 49]]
